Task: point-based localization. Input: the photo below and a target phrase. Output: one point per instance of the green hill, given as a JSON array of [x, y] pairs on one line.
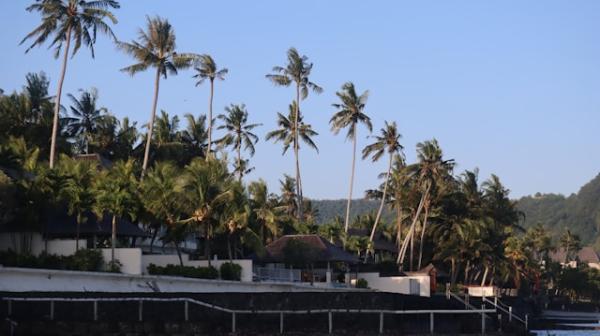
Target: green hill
[[579, 212]]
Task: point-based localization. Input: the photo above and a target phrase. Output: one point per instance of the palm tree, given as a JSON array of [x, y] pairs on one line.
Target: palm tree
[[239, 133], [266, 209], [206, 68], [388, 141], [75, 21], [286, 133], [162, 190], [207, 188], [86, 116], [115, 192], [195, 134], [155, 48], [76, 189], [350, 113], [571, 244], [296, 71]]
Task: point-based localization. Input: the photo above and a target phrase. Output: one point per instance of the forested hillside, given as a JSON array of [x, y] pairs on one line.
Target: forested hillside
[[579, 212]]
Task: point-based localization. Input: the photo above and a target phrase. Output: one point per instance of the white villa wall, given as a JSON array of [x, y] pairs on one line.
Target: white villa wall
[[26, 280], [166, 259], [63, 247], [479, 291], [396, 284], [130, 259]]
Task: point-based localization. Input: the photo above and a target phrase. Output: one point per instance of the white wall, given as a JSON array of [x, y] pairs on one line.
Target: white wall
[[32, 280], [63, 247], [396, 284], [130, 258], [479, 291], [166, 259]]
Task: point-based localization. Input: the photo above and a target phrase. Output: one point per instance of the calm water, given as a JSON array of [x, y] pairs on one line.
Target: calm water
[[566, 332]]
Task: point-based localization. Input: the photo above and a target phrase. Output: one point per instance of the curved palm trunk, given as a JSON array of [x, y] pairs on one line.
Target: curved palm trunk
[[210, 118], [426, 216], [385, 188], [113, 239], [398, 225], [296, 153], [151, 125], [57, 103], [411, 230], [347, 223]]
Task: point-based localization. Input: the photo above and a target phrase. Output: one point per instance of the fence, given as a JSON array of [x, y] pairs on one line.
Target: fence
[[234, 313], [277, 274]]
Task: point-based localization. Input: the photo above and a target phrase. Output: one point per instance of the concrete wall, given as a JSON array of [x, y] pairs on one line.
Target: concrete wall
[[479, 291], [130, 259], [396, 284], [166, 259], [26, 279], [14, 241]]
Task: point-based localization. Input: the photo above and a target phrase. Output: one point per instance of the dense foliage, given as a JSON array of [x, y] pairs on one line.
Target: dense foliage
[[82, 260], [579, 212], [184, 271]]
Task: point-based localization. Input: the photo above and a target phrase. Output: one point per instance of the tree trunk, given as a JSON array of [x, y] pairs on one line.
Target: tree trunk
[[178, 253], [152, 239], [113, 239], [210, 118], [485, 273], [385, 188], [296, 153], [229, 254], [57, 103], [426, 216], [347, 223], [77, 232], [239, 161], [206, 244], [411, 231], [151, 125], [398, 226], [453, 271], [412, 250], [467, 272]]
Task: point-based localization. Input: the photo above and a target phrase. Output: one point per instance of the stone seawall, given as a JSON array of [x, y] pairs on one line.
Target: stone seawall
[[167, 318]]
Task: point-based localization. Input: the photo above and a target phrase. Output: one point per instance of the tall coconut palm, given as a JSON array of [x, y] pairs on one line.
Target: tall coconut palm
[[85, 117], [286, 133], [571, 244], [115, 192], [239, 133], [76, 189], [162, 190], [195, 134], [350, 113], [206, 68], [388, 141], [296, 71], [155, 48], [76, 21]]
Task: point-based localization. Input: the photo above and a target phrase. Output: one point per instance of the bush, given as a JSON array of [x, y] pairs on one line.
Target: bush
[[184, 271], [87, 260], [362, 283], [114, 266], [231, 271], [82, 260]]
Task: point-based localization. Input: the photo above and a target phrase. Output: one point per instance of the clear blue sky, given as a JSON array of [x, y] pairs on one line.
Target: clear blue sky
[[511, 87]]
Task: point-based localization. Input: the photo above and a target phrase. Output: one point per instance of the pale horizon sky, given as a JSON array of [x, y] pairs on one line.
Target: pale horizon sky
[[511, 87]]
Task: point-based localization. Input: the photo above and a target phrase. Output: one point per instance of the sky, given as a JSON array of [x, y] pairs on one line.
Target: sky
[[510, 87]]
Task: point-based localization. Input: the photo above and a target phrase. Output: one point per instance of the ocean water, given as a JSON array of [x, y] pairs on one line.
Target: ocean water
[[566, 332]]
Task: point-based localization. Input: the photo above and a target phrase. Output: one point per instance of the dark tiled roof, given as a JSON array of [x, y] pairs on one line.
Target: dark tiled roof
[[326, 251], [587, 254], [63, 225]]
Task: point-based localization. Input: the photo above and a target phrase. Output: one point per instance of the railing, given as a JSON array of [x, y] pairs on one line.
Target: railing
[[235, 312], [277, 274], [508, 311]]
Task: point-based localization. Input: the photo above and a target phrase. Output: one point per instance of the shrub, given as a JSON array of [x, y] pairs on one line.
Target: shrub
[[231, 271], [362, 283], [87, 260], [114, 266], [184, 271]]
